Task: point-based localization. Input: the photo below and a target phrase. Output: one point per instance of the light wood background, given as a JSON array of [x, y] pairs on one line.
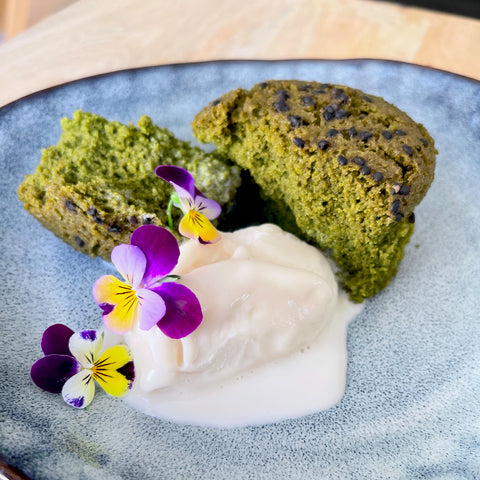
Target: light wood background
[[96, 36]]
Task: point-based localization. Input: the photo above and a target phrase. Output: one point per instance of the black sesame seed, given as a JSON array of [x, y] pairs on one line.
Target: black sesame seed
[[147, 220], [411, 218], [304, 88], [396, 188], [281, 106], [69, 205], [365, 136], [395, 206], [114, 229], [283, 95], [387, 134], [360, 161], [400, 132], [367, 99], [335, 107], [333, 132], [308, 101], [377, 176], [319, 91], [407, 149], [323, 144], [331, 108], [295, 120], [398, 217], [215, 102], [342, 160], [340, 113], [425, 143], [404, 190], [133, 220], [337, 92], [298, 142], [79, 242], [352, 131], [365, 170], [263, 85], [328, 115], [325, 85], [94, 214]]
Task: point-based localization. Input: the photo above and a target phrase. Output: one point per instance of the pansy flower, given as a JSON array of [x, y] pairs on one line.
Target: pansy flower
[[197, 209], [147, 296], [73, 361]]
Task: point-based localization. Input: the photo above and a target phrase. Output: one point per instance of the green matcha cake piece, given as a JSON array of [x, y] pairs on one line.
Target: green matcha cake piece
[[98, 183], [347, 168]]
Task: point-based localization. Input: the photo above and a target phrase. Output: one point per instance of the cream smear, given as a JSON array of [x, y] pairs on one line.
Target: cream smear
[[272, 344]]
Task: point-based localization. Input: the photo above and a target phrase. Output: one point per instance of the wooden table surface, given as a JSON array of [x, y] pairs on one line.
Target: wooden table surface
[[98, 36]]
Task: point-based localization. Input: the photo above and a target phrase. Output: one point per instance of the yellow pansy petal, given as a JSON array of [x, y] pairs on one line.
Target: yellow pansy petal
[[107, 288], [123, 316], [195, 225], [118, 302], [114, 370]]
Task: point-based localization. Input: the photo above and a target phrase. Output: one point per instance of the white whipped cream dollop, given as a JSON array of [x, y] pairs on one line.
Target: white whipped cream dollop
[[271, 344]]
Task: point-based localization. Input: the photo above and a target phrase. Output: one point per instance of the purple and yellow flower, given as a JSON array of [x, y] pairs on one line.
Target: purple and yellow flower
[[147, 296], [74, 361], [197, 209]]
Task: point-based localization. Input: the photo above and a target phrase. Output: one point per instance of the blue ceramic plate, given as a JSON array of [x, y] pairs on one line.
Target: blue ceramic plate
[[412, 403]]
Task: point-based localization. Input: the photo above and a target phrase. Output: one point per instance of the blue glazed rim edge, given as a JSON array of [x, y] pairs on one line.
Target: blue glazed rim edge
[[240, 61]]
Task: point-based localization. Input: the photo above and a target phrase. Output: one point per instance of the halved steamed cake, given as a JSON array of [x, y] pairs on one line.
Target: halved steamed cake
[[342, 169], [98, 184]]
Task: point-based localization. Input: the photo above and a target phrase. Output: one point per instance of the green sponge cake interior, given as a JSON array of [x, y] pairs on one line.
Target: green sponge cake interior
[[344, 169], [98, 183]]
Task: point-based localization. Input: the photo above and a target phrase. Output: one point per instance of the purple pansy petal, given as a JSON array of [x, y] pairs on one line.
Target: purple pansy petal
[[86, 346], [131, 262], [51, 372], [184, 313], [198, 193], [207, 207], [160, 248], [152, 308], [178, 177], [79, 390], [55, 339]]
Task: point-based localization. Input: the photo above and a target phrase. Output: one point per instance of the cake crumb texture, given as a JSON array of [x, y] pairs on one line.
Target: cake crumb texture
[[342, 169], [98, 183]]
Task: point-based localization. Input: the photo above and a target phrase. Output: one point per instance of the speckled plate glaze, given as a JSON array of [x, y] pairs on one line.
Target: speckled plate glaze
[[412, 403]]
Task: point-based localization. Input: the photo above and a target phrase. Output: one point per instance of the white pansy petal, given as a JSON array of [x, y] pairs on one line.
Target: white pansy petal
[[207, 207], [79, 390], [186, 200], [86, 346], [130, 262]]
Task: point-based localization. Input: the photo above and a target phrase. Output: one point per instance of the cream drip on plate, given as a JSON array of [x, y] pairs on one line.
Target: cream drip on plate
[[272, 343]]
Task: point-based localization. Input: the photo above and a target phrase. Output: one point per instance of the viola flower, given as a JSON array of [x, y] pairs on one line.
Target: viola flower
[[147, 295], [197, 209], [73, 361]]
